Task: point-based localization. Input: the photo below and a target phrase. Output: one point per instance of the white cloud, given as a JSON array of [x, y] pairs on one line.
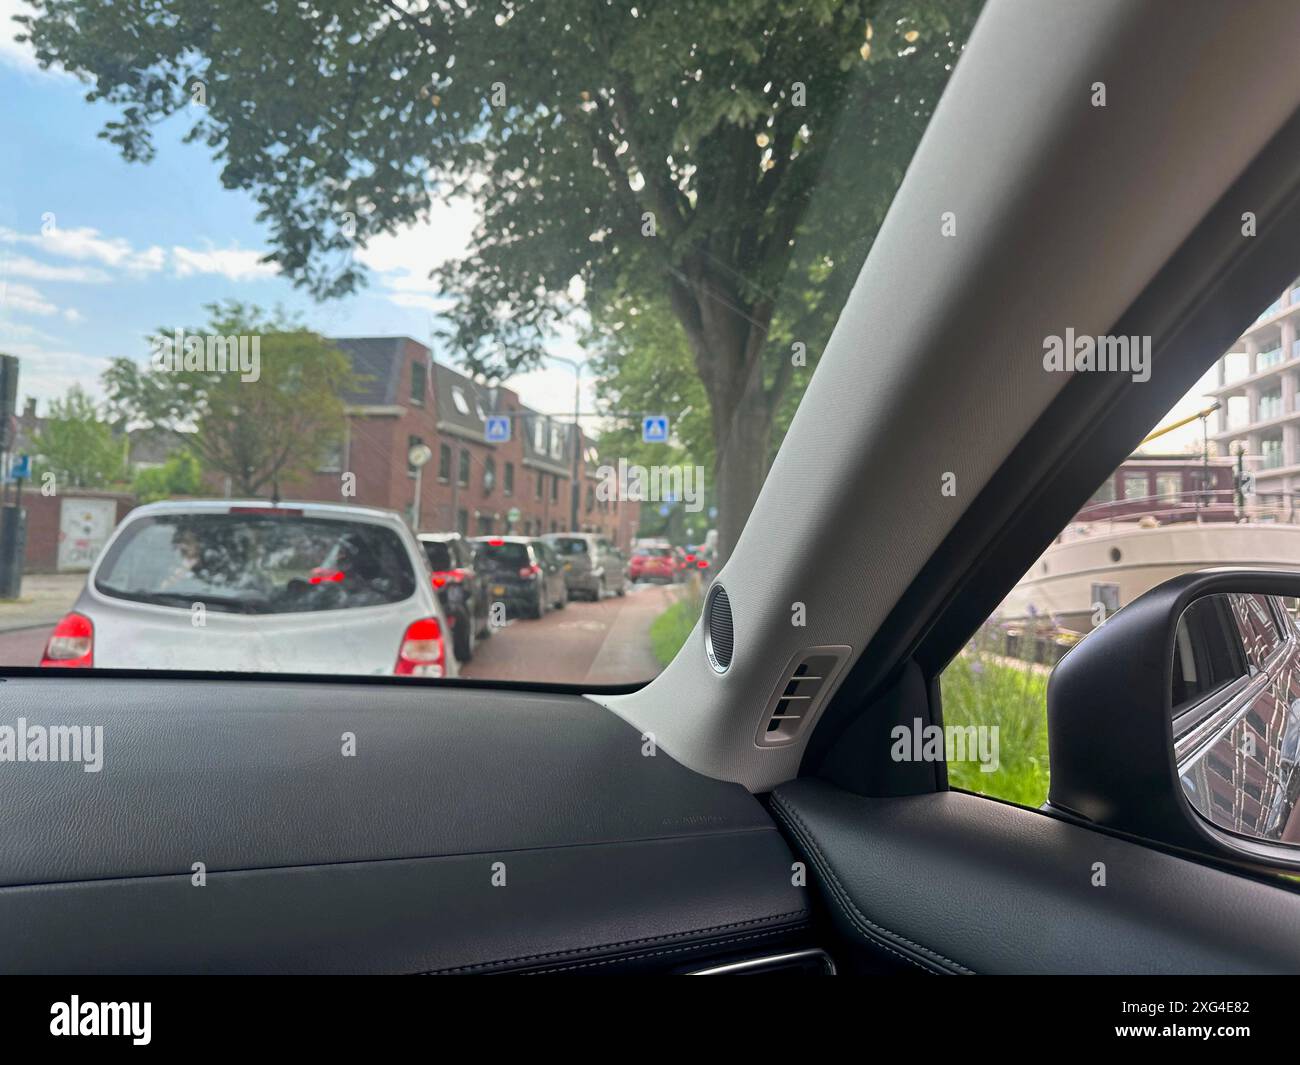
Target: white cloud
[[85, 244], [25, 300], [23, 266], [401, 261], [12, 53], [234, 264]]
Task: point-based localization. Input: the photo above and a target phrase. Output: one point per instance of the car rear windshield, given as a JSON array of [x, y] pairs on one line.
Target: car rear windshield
[[654, 552], [503, 556], [256, 564], [569, 545], [438, 552]]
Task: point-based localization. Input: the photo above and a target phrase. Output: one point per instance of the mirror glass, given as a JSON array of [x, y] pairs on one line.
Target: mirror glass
[[1236, 713]]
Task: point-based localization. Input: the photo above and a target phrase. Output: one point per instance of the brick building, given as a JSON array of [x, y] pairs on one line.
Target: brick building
[[405, 398]]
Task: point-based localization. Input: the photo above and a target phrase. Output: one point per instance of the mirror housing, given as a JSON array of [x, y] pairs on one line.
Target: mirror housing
[[1111, 731]]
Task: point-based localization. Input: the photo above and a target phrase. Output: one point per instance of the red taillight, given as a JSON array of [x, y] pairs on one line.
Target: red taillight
[[702, 564], [448, 576], [528, 572], [325, 576], [690, 558], [423, 653], [72, 644], [496, 543]]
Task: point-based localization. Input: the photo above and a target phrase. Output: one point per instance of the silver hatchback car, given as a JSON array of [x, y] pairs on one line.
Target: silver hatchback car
[[258, 588]]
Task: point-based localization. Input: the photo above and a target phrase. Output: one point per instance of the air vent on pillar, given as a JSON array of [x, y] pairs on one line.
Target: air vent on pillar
[[804, 685], [719, 635]]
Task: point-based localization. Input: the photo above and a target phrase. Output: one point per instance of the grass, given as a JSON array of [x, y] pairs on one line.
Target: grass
[[979, 689], [669, 630]]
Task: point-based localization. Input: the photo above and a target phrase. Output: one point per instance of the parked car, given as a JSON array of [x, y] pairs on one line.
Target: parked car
[[462, 589], [658, 564], [593, 565], [521, 573], [258, 588]]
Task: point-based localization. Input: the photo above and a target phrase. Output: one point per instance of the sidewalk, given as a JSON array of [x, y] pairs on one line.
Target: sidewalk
[[46, 597]]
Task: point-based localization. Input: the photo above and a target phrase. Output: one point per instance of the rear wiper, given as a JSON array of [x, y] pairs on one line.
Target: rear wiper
[[226, 605]]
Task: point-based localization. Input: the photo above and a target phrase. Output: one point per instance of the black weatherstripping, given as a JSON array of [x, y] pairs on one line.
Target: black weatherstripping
[[1193, 310], [379, 862]]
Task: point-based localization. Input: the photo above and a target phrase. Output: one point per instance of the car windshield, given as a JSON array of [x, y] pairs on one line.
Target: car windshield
[[249, 564], [558, 270]]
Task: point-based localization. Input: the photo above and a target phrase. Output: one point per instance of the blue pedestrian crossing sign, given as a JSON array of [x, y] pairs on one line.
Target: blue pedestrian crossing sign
[[654, 429], [497, 430], [21, 468]]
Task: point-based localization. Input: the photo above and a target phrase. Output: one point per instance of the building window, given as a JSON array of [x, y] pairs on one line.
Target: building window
[[1270, 404], [462, 476], [462, 522], [1272, 452], [557, 442], [1169, 486], [539, 435], [331, 460], [411, 441], [484, 525], [539, 485], [444, 463], [1265, 359], [458, 398], [555, 488], [419, 382], [1135, 485], [510, 479], [1106, 493], [591, 498], [489, 475]]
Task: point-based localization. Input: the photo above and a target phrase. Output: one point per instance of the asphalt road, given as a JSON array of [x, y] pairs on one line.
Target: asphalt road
[[585, 643]]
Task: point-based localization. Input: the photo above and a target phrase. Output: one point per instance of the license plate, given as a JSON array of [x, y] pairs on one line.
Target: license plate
[[498, 589]]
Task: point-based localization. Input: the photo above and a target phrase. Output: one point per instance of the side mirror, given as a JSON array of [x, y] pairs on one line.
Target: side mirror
[[1178, 719]]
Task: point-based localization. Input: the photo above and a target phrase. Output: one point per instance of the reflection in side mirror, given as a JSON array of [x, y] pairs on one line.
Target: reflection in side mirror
[[1176, 720], [1236, 714]]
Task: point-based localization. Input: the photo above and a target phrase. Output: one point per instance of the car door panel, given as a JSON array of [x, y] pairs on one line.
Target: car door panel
[[952, 883], [470, 831]]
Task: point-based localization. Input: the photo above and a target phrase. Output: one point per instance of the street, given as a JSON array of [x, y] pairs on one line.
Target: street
[[585, 643]]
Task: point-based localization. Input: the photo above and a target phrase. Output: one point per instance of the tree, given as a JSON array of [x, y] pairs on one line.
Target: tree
[[76, 445], [180, 475], [730, 163], [264, 434]]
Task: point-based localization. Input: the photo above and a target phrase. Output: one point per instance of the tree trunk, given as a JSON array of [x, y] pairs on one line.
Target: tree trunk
[[727, 338], [742, 435]]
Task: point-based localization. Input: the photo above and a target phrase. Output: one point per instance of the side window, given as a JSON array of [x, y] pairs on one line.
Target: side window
[[1207, 488]]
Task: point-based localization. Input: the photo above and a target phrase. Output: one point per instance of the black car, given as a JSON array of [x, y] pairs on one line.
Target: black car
[[461, 587], [523, 573]]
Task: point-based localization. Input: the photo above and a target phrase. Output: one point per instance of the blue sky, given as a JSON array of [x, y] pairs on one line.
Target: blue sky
[[97, 254]]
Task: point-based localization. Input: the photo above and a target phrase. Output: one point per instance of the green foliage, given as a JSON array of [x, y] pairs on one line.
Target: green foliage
[[180, 475], [764, 139], [263, 434], [981, 689], [76, 445], [669, 631]]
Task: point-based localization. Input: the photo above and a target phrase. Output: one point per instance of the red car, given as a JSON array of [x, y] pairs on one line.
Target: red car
[[653, 564]]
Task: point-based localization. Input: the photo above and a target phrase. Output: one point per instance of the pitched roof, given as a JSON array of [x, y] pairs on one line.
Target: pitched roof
[[378, 361]]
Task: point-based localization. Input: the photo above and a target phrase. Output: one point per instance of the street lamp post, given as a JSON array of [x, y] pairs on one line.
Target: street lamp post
[[577, 450]]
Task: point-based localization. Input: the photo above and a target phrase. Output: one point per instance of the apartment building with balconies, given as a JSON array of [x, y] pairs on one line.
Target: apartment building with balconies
[[1258, 388]]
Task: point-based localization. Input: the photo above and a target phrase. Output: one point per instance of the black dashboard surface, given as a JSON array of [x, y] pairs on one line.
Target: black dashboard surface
[[370, 828]]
